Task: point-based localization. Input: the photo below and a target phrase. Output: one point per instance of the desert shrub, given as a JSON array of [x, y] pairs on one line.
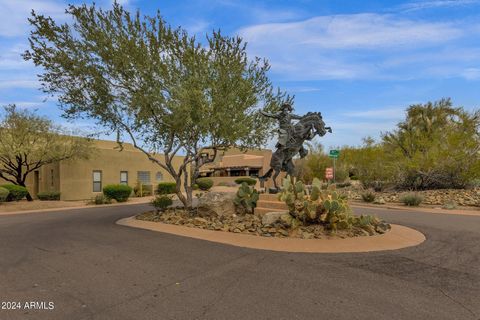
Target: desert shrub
[[100, 199], [249, 181], [368, 195], [411, 199], [204, 183], [119, 192], [195, 186], [142, 190], [377, 186], [3, 194], [450, 205], [48, 195], [15, 193], [355, 178], [162, 202], [166, 188]]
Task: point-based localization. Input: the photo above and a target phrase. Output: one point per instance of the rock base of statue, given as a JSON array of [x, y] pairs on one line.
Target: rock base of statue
[[269, 203]]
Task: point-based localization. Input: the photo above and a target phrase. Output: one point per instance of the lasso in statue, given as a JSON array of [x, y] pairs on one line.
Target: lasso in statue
[[291, 138]]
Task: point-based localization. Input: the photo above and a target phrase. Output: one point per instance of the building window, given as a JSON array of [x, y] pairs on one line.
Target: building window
[[97, 181], [143, 177], [123, 177], [159, 176]]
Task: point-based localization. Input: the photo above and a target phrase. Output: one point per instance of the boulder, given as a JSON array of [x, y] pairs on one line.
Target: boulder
[[379, 200], [271, 217], [216, 204]]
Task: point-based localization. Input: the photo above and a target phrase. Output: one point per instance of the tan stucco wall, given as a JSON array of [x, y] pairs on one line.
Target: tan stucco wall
[[76, 177], [236, 158]]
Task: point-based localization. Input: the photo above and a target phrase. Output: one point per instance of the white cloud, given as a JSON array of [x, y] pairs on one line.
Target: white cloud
[[352, 46], [14, 14], [421, 5], [19, 84], [365, 31], [380, 114], [23, 104], [471, 73], [197, 26]]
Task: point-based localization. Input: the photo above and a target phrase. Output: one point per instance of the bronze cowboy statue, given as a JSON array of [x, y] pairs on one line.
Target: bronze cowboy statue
[[291, 138]]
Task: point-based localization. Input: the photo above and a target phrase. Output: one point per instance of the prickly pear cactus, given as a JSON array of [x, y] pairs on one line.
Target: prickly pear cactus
[[324, 206], [246, 198]]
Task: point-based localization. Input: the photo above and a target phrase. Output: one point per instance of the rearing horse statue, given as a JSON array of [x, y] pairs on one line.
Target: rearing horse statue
[[310, 125]]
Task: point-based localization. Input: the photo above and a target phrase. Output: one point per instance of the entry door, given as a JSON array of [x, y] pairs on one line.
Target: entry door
[[36, 182]]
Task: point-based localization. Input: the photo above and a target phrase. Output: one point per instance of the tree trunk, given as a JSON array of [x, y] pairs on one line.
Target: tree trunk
[[187, 203], [28, 196]]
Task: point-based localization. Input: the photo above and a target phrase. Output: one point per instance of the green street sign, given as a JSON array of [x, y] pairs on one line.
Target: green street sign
[[334, 153]]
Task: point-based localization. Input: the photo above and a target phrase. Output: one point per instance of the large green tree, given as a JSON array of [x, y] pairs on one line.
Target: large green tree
[[154, 85], [29, 141], [436, 146]]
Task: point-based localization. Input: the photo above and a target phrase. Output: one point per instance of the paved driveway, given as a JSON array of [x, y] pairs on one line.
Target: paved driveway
[[91, 268]]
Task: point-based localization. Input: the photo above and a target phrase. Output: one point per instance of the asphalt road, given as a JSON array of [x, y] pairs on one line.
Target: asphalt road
[[91, 268]]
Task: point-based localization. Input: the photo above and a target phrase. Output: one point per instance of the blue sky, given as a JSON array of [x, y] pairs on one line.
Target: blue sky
[[360, 63]]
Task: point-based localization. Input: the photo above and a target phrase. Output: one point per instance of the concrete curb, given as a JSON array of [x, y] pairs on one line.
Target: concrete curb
[[74, 208], [397, 238]]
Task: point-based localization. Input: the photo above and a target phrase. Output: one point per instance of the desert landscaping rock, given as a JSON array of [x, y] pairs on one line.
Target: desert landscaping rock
[[272, 217], [276, 224], [305, 240], [462, 197], [216, 204]]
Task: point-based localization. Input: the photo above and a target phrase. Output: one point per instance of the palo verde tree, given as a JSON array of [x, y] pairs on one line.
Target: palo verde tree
[[29, 141], [436, 146], [155, 86]]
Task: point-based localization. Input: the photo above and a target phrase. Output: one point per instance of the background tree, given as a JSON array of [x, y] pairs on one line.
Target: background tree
[[367, 163], [436, 146], [315, 163], [28, 142], [155, 86]]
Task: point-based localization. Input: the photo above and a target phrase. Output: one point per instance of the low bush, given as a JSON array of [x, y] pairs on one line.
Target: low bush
[[204, 183], [15, 193], [195, 187], [450, 205], [161, 202], [167, 188], [142, 190], [101, 199], [411, 199], [249, 181], [119, 192], [3, 194], [48, 195], [368, 195]]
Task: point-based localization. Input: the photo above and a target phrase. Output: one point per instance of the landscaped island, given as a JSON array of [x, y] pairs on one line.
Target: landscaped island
[[312, 213]]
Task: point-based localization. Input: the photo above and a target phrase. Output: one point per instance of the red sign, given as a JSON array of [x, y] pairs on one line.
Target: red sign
[[329, 173]]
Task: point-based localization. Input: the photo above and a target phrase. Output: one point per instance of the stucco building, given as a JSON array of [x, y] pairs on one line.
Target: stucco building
[[83, 179], [232, 164]]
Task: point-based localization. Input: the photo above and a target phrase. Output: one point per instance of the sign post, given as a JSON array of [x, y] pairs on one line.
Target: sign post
[[334, 155]]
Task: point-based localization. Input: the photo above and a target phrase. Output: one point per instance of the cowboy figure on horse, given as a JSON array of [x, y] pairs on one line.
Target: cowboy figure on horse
[[291, 138], [284, 117]]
